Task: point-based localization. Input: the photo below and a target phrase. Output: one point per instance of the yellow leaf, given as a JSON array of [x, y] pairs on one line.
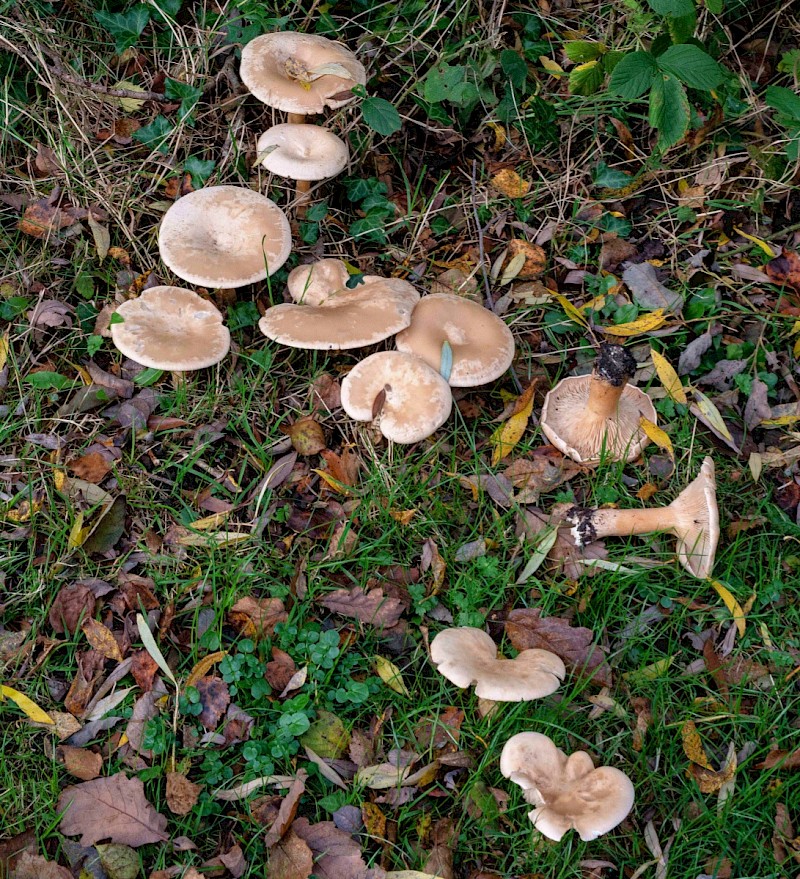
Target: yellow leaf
[[644, 324], [569, 309], [28, 706], [693, 746], [657, 435], [649, 672], [333, 483], [668, 377], [202, 668], [767, 248], [506, 437], [711, 782], [733, 606], [78, 534], [513, 268], [213, 521], [404, 517], [796, 350], [551, 66], [4, 348], [59, 478], [391, 675], [711, 413], [500, 135], [129, 105], [510, 184], [783, 421], [101, 639], [23, 512]]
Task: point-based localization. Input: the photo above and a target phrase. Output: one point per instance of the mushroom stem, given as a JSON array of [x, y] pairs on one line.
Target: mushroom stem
[[613, 369], [296, 118], [301, 198], [590, 525], [178, 379]]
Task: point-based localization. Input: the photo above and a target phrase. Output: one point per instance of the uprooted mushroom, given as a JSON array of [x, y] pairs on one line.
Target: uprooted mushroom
[[590, 417], [567, 792], [692, 517], [468, 656]]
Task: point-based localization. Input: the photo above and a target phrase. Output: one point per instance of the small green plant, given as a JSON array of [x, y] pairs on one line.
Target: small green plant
[[369, 197], [786, 103], [127, 27]]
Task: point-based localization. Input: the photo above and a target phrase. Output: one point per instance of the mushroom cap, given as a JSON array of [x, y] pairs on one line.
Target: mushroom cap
[[417, 400], [285, 70], [224, 236], [697, 522], [468, 656], [567, 792], [482, 344], [313, 283], [371, 312], [171, 328], [575, 430], [303, 152]]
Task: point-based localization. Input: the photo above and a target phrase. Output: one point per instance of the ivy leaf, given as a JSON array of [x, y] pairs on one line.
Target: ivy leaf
[[187, 94], [155, 134], [515, 68], [610, 178], [586, 78], [199, 170], [633, 75], [124, 27], [669, 110], [381, 116], [692, 66]]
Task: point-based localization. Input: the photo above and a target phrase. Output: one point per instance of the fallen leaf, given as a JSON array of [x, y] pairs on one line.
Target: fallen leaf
[[506, 437], [527, 629], [336, 854], [119, 861], [92, 467], [785, 269], [693, 745], [287, 810], [32, 866], [203, 667], [215, 698], [306, 435], [668, 377], [143, 669], [101, 639], [71, 604], [647, 291], [644, 324], [257, 617], [510, 184], [42, 218], [657, 435], [711, 414], [182, 794], [371, 607], [280, 669], [80, 762], [391, 675], [374, 821], [327, 736], [112, 808], [564, 555], [710, 781], [733, 606], [291, 858], [26, 705], [777, 759], [534, 259]]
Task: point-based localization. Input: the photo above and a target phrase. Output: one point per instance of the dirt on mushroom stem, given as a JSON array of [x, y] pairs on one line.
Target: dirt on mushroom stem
[[613, 369]]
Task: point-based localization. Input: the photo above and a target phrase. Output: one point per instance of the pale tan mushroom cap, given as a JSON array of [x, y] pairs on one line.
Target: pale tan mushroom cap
[[280, 70], [567, 792], [371, 312], [224, 236], [468, 656], [313, 283], [302, 152], [574, 430], [417, 399], [171, 328], [697, 522], [482, 344]]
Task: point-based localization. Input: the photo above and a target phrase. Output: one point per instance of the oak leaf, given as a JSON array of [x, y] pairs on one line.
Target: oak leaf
[[371, 607], [257, 617], [336, 854], [291, 858]]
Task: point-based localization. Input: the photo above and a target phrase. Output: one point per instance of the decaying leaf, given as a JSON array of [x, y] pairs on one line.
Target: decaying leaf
[[564, 555], [182, 794], [372, 607], [80, 762], [291, 858], [287, 810], [215, 698], [785, 269], [506, 437], [336, 854], [257, 617], [510, 184]]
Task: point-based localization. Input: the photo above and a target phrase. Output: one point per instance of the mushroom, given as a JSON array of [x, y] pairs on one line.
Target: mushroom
[[408, 400], [371, 312], [171, 328], [481, 345], [692, 517], [313, 283], [224, 236], [302, 153], [300, 73], [566, 792], [592, 416], [468, 656]]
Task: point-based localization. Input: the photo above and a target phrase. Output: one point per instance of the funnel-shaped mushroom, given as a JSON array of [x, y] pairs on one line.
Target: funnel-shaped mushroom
[[371, 312], [313, 283], [468, 656], [224, 236], [692, 517], [300, 73], [592, 416], [567, 792], [405, 397], [171, 328], [481, 344]]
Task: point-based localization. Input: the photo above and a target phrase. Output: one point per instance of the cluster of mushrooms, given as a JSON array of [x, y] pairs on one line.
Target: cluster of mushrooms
[[567, 792]]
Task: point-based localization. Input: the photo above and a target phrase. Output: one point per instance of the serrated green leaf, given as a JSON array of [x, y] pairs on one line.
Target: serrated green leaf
[[692, 66], [669, 110], [586, 78], [672, 7], [381, 116], [580, 51], [682, 27], [515, 68], [784, 100], [46, 380], [633, 75]]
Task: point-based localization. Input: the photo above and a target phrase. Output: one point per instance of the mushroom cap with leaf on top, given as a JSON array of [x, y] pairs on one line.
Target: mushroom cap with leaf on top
[[313, 283], [482, 345], [171, 328], [300, 73], [224, 236], [566, 791], [410, 399], [302, 152], [468, 656], [365, 315]]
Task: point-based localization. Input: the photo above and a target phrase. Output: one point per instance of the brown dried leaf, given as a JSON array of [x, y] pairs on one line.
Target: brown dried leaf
[[80, 762], [182, 794], [287, 810], [432, 561], [71, 604], [336, 854], [280, 669], [371, 607], [785, 269], [215, 698], [374, 821], [79, 693], [92, 467], [32, 866], [112, 808], [535, 259], [257, 617], [101, 639], [526, 629], [510, 184], [41, 218], [291, 858], [693, 745], [440, 860], [143, 669], [781, 760], [343, 467], [307, 435]]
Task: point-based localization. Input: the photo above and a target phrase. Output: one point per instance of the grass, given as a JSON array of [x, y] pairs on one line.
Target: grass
[[651, 621]]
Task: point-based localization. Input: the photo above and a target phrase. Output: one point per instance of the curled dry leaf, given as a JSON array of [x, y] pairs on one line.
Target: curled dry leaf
[[287, 810], [371, 607], [113, 808], [215, 698], [182, 794], [257, 617]]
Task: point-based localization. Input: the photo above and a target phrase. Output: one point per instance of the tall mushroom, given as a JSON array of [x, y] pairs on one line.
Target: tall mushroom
[[474, 342], [589, 417], [692, 517], [468, 656], [224, 236], [171, 328], [405, 397], [566, 792]]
